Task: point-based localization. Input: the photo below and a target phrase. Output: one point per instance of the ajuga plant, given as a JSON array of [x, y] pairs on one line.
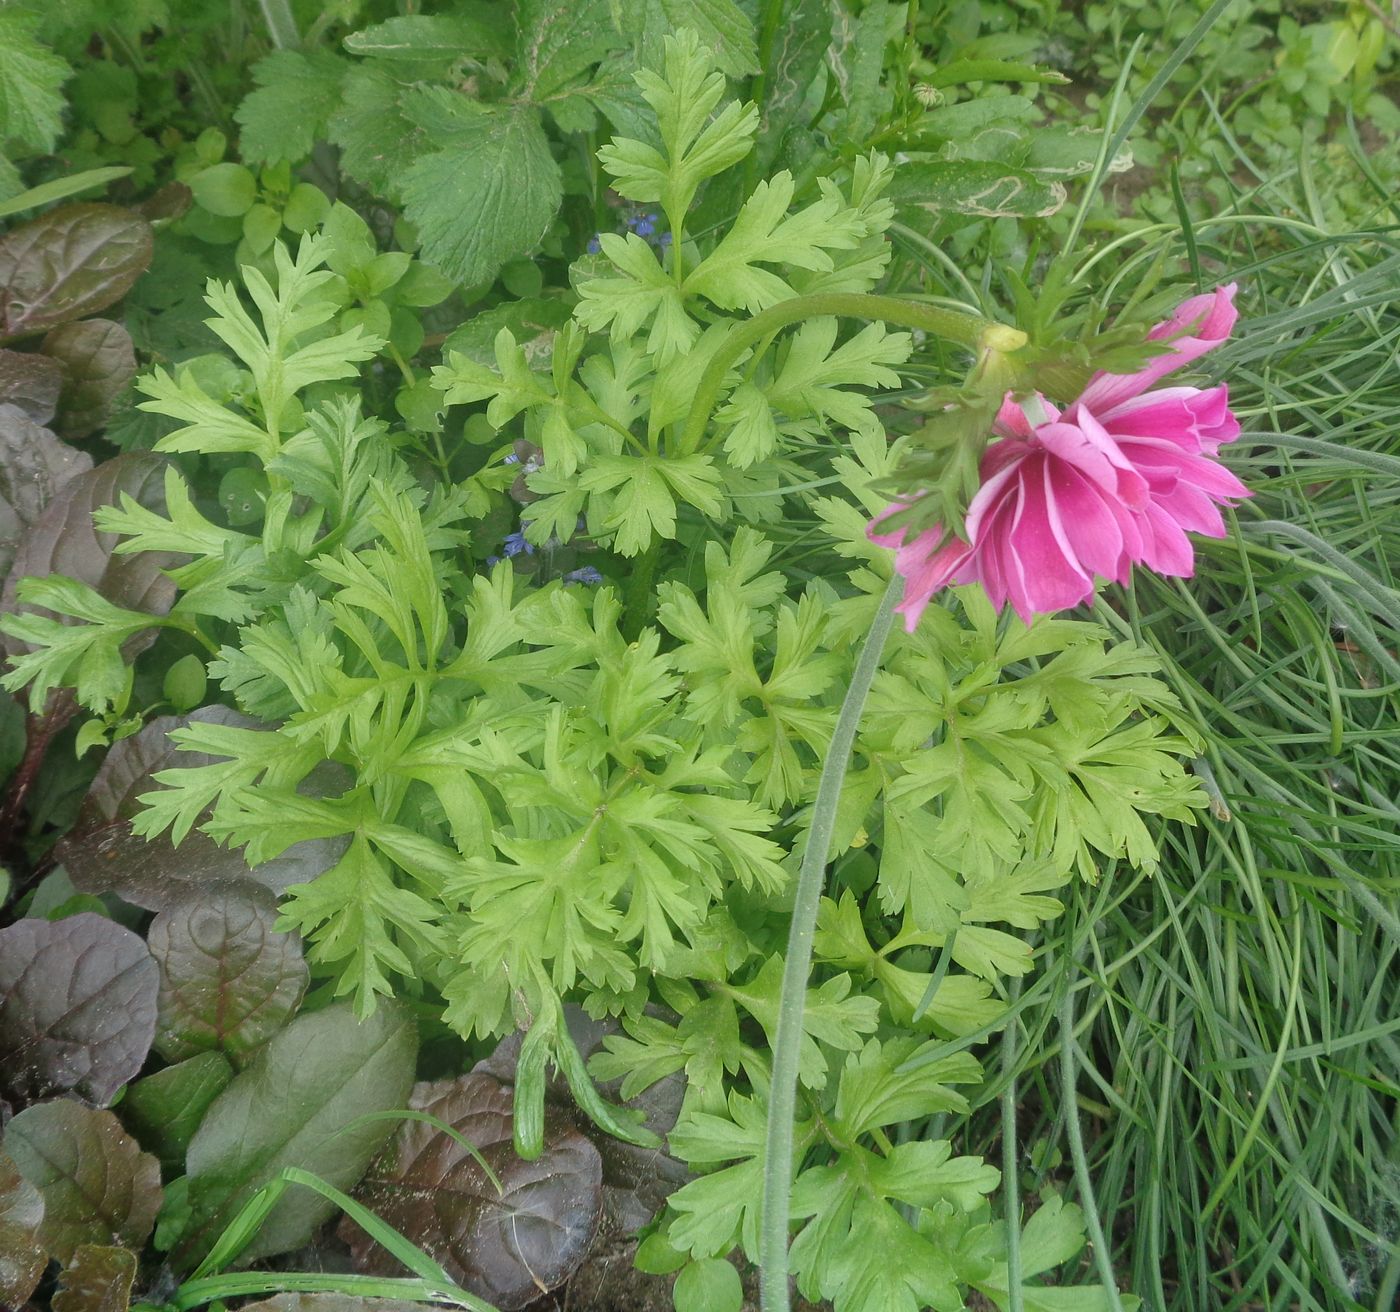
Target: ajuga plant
[[557, 790]]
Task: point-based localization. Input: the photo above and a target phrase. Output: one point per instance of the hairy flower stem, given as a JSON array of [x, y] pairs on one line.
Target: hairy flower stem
[[782, 1098], [968, 330]]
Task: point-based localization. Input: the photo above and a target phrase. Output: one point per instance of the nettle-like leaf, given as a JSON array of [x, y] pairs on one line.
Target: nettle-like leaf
[[509, 1244], [228, 979], [98, 1186], [489, 194], [77, 1007], [103, 854], [297, 92], [22, 1256], [31, 78], [293, 1106], [70, 262]]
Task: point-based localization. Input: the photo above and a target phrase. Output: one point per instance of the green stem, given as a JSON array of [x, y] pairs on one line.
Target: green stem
[[639, 591], [758, 88], [1103, 1257], [956, 326], [811, 875], [281, 25], [1010, 1185]]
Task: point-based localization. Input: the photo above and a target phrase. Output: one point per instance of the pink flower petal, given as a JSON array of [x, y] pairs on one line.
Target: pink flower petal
[[1199, 325]]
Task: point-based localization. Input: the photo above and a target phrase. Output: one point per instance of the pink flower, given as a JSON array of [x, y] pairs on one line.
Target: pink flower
[[1117, 479]]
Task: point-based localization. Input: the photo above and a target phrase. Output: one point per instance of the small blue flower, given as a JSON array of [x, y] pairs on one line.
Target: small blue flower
[[515, 544], [594, 245], [492, 562], [644, 226], [585, 575], [511, 459]]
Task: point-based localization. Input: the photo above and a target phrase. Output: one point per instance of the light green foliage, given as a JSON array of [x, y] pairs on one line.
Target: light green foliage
[[609, 428], [543, 799]]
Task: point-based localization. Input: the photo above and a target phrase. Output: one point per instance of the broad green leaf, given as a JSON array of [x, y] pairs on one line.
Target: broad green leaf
[[977, 187], [377, 139], [437, 41], [488, 193], [557, 42], [165, 1109], [721, 26], [98, 1186], [795, 58], [709, 1285], [77, 1007], [293, 1106]]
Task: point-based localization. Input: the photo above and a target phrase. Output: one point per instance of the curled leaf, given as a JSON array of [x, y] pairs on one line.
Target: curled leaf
[[228, 979], [77, 1007], [510, 1246], [102, 855], [98, 1186], [70, 262]]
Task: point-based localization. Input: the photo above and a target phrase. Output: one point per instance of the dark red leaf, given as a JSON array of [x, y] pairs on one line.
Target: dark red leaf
[[34, 465], [97, 361], [508, 1247], [77, 1007], [68, 263], [98, 1279], [228, 979], [98, 1186], [102, 855], [31, 383]]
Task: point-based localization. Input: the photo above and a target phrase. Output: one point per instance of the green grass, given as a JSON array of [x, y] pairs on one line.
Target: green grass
[[1221, 1042], [1236, 1048]]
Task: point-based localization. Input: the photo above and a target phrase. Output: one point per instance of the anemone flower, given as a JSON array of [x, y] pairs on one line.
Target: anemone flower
[[1117, 479]]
